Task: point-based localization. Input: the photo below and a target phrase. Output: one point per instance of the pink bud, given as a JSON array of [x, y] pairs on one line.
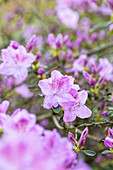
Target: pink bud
[[102, 105], [101, 80], [86, 76], [110, 133], [85, 132], [38, 56], [104, 113], [82, 141], [31, 43], [92, 82], [110, 4], [66, 38], [71, 137], [41, 71]]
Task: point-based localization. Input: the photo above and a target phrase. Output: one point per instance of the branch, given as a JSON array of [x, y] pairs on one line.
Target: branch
[[44, 116], [72, 127], [96, 124], [95, 50]]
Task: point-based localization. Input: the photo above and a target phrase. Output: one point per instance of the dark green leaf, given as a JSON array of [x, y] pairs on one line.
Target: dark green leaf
[[106, 151], [101, 26], [61, 120], [89, 152], [57, 109]]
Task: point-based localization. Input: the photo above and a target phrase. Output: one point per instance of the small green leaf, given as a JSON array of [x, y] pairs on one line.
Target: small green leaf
[[89, 152], [57, 109], [61, 120], [106, 151], [110, 112], [110, 107], [101, 26]]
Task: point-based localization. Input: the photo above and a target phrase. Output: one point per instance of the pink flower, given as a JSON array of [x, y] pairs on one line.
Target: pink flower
[[23, 120], [78, 64], [105, 68], [68, 17], [56, 90], [16, 62], [24, 91], [78, 109]]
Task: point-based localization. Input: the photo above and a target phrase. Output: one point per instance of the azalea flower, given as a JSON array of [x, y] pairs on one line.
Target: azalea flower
[[68, 17], [16, 62], [55, 90], [78, 109]]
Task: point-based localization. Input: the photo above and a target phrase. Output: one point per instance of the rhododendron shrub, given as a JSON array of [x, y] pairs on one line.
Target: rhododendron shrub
[[56, 85]]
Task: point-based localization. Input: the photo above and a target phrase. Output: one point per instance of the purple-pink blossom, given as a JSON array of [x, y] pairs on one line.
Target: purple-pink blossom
[[78, 109], [15, 62], [56, 90]]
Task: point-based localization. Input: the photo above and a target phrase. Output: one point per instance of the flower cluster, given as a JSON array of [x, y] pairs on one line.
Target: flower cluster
[[33, 148], [82, 139], [60, 90]]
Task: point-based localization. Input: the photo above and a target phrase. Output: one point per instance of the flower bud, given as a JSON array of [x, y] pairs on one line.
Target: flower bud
[[108, 142], [82, 141], [38, 56], [110, 4], [101, 80], [31, 43], [102, 105], [66, 38], [92, 82], [41, 71], [110, 133], [86, 76], [85, 132], [104, 113], [71, 137]]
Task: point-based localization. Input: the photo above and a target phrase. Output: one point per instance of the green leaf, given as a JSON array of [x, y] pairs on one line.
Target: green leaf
[[89, 152], [110, 112], [101, 26], [106, 151], [110, 107], [57, 109], [61, 121]]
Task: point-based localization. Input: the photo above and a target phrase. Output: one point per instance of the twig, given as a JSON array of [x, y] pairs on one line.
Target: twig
[[72, 127], [44, 116], [96, 124], [95, 50]]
